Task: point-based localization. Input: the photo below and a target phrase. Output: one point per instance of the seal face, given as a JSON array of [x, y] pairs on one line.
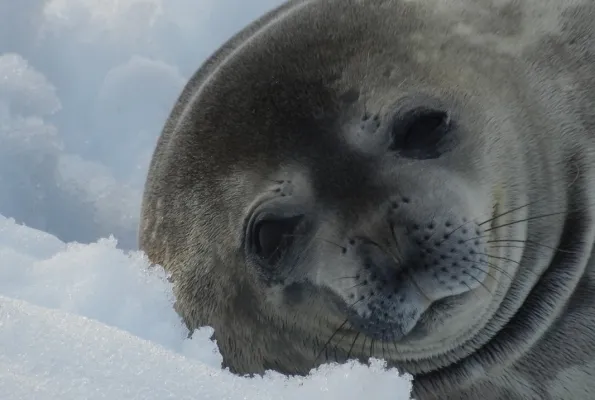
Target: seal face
[[407, 180]]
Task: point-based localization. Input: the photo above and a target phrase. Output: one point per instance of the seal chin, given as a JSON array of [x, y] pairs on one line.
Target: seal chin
[[391, 321]]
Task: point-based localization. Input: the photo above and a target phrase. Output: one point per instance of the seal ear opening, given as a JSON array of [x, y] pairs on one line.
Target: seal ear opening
[[273, 236]]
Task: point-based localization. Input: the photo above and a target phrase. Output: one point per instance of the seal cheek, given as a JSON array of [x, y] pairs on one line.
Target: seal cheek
[[449, 262], [294, 293]]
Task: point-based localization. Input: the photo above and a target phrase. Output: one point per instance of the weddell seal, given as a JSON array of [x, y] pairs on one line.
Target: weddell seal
[[410, 180]]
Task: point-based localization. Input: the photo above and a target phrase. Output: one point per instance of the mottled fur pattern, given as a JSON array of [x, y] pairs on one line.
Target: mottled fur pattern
[[297, 102]]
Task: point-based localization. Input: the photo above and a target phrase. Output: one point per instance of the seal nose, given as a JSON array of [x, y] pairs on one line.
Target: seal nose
[[426, 263], [443, 257], [381, 261]]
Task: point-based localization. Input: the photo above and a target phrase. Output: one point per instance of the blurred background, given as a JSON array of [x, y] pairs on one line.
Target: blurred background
[[85, 87]]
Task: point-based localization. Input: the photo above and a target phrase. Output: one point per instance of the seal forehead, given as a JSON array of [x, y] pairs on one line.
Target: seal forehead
[[292, 87], [297, 72], [506, 26]]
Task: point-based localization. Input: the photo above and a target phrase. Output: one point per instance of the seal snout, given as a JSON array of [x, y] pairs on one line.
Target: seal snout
[[449, 259], [438, 259]]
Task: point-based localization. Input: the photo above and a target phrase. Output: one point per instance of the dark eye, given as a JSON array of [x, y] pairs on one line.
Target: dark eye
[[419, 134], [272, 237]]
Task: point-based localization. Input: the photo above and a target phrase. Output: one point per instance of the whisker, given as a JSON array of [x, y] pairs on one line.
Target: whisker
[[525, 255], [532, 243], [495, 217], [410, 276], [497, 268], [485, 272], [500, 258], [354, 286], [447, 236], [482, 223], [364, 344], [432, 222], [324, 348], [300, 256], [478, 281], [337, 345], [394, 342], [503, 246], [392, 240], [535, 217], [543, 198], [353, 344], [328, 341], [384, 249]]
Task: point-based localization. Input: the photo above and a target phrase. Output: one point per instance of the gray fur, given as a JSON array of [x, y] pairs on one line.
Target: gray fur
[[293, 111]]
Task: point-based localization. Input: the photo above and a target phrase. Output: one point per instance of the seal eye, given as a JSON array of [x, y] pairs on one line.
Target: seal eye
[[272, 237], [419, 133]]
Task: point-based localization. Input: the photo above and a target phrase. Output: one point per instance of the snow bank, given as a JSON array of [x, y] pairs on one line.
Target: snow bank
[[89, 321]]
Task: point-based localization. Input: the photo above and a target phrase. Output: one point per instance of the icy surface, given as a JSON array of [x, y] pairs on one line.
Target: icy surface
[[89, 321]]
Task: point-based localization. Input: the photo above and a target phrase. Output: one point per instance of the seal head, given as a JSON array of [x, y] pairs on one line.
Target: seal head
[[393, 179]]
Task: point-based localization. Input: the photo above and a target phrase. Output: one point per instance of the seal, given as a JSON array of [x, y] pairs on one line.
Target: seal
[[410, 180]]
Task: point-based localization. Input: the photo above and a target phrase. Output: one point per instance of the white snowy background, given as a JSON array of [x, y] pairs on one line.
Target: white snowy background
[[85, 87]]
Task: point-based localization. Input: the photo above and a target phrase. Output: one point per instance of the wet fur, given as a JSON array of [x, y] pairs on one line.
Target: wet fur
[[529, 71]]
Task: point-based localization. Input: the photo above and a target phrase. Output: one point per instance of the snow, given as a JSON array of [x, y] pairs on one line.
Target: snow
[[85, 86], [91, 321]]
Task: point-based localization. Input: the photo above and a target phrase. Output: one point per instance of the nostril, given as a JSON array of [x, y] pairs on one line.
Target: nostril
[[420, 132]]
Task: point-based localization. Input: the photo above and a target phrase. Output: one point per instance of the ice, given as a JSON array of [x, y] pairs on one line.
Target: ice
[[91, 321]]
